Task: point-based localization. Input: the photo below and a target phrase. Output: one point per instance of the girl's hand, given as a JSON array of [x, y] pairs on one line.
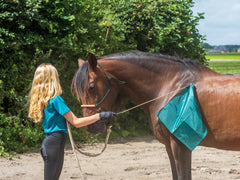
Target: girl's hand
[[107, 116]]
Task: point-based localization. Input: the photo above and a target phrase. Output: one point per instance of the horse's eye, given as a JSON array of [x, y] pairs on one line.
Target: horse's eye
[[91, 87]]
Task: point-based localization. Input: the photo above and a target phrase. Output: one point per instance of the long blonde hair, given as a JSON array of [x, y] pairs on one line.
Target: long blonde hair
[[45, 86]]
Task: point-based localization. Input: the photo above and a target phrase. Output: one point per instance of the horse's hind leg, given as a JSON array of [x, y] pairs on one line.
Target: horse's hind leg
[[180, 159]]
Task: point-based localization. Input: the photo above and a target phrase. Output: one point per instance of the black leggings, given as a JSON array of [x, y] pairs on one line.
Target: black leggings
[[53, 154]]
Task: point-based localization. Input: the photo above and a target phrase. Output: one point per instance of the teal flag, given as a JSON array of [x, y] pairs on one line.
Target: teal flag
[[181, 115]]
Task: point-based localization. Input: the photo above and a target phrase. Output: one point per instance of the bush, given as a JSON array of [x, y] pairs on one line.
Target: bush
[[155, 26], [18, 135], [32, 32]]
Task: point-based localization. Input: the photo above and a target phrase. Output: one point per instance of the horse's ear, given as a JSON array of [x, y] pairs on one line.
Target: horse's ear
[[92, 61], [80, 62]]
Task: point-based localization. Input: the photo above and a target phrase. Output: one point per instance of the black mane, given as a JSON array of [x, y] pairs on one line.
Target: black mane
[[146, 54], [149, 60], [80, 80]]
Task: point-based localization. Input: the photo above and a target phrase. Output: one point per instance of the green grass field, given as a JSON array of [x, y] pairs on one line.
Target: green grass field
[[225, 67], [223, 56], [224, 63]]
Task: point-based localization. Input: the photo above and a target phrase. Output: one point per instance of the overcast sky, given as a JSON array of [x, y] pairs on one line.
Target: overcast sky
[[222, 21]]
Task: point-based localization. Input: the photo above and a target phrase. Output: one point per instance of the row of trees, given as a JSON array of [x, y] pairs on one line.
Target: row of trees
[[225, 48], [59, 32]]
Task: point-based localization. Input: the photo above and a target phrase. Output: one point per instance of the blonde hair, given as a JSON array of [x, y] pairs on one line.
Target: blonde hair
[[45, 86]]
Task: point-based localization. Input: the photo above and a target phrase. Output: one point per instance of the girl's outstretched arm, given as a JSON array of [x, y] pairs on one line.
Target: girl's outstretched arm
[[80, 122]]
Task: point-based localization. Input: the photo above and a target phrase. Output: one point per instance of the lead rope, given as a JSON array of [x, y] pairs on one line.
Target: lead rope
[[74, 147], [108, 132], [72, 143], [96, 154], [150, 101]]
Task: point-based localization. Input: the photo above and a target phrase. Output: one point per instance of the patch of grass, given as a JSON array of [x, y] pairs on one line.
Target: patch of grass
[[225, 67], [224, 63], [223, 56]]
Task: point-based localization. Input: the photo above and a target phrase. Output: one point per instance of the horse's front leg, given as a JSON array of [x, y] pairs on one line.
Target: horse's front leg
[[180, 159], [179, 155]]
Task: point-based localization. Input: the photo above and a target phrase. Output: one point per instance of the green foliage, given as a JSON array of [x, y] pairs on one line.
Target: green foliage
[[18, 134], [32, 32], [59, 32], [155, 26]]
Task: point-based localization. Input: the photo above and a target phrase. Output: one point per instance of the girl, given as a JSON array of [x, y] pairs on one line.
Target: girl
[[47, 106]]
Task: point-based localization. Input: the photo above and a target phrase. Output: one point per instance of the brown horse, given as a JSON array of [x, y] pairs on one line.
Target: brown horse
[[147, 76]]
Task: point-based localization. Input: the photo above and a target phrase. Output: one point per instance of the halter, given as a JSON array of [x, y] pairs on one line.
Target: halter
[[108, 91]]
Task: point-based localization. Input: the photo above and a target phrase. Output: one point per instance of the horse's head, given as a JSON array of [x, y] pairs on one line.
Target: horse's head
[[92, 86]]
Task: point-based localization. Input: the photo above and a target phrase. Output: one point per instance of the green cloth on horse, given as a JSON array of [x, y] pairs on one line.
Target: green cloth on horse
[[182, 117]]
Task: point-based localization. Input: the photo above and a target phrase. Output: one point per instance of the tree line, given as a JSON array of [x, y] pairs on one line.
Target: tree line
[[225, 48]]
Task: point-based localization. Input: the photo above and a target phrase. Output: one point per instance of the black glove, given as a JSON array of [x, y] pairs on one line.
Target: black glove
[[107, 116]]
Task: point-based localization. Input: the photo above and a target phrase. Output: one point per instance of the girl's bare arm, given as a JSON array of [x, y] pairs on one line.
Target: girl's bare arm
[[80, 122]]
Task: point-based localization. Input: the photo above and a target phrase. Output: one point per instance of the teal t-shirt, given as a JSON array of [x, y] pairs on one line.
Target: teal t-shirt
[[53, 119]]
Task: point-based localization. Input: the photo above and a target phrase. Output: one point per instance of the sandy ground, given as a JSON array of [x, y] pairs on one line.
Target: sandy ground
[[134, 159]]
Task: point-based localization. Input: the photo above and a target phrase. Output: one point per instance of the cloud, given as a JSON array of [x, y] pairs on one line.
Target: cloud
[[221, 24]]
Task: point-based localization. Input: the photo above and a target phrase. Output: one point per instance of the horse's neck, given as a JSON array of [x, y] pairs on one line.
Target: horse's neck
[[142, 84]]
